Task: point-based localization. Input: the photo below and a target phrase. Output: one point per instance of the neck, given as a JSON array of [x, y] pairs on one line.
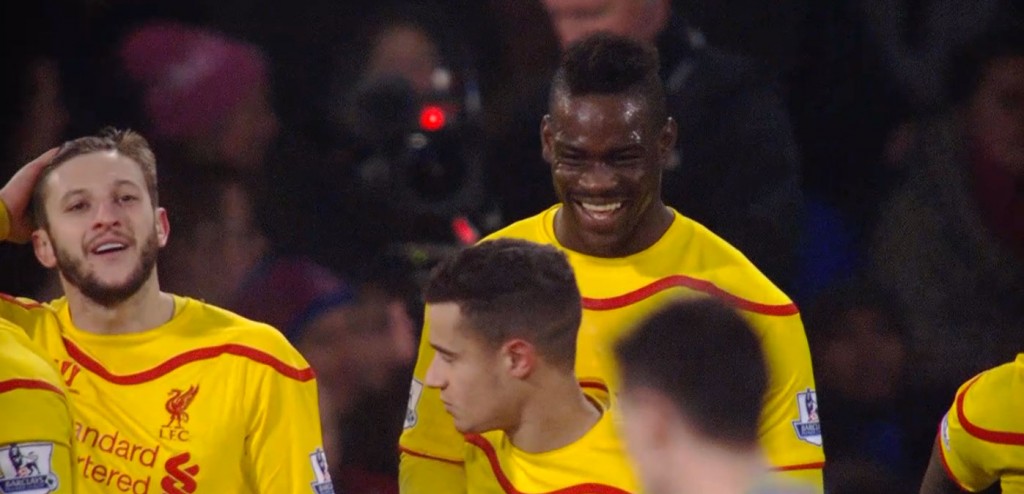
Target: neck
[[146, 309], [556, 414], [713, 469]]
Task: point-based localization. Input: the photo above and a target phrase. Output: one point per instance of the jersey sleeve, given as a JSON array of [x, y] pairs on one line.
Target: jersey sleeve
[[790, 427], [284, 446], [963, 454], [432, 450], [37, 428]]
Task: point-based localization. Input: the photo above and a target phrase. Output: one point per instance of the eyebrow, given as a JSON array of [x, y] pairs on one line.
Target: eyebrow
[[442, 350]]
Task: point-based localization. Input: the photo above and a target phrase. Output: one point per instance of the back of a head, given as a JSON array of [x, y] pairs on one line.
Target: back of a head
[[605, 63], [705, 358], [509, 288], [126, 143]]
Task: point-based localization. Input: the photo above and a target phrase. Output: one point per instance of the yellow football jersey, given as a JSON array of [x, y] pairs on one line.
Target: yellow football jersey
[[688, 260], [209, 402], [36, 437], [594, 464], [982, 434]]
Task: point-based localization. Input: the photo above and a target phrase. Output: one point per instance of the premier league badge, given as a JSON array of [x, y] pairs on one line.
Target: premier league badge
[[808, 428], [26, 468]]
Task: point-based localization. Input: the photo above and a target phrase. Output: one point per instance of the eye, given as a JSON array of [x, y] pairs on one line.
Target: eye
[[76, 206], [446, 358], [126, 198]]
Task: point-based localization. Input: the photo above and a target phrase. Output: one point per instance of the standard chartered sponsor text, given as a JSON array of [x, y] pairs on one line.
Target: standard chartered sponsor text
[[99, 452]]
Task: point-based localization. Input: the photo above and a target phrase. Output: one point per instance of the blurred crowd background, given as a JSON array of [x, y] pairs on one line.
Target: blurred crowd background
[[316, 156]]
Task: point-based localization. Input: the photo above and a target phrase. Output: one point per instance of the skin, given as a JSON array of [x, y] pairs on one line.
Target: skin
[[95, 200], [606, 150], [995, 114]]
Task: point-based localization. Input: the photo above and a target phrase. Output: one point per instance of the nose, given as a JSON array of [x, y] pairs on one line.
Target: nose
[[108, 213], [598, 177], [434, 377]]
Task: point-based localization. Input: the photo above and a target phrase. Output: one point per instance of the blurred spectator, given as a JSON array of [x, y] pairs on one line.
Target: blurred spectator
[[736, 170], [33, 118], [205, 96], [951, 238], [871, 418]]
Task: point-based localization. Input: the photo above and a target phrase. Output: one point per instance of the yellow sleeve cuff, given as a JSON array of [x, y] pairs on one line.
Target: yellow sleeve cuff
[[5, 221]]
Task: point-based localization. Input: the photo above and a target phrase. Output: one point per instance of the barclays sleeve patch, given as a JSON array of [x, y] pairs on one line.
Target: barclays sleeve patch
[[27, 468], [808, 427]]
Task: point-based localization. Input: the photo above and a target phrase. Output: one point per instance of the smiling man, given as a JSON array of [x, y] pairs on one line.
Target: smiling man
[[167, 393], [607, 138]]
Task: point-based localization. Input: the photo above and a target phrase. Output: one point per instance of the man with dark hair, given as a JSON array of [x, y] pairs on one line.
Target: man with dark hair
[[193, 395], [504, 316], [607, 140], [693, 381], [735, 166]]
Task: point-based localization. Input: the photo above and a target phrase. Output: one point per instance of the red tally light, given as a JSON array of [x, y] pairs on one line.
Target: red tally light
[[432, 118]]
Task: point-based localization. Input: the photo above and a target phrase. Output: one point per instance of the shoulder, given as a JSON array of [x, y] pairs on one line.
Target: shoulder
[[21, 361], [988, 407], [726, 271], [261, 343], [533, 228]]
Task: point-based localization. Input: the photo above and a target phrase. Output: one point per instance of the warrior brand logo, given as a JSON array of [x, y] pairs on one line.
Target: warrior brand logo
[[179, 480], [944, 431], [69, 371], [26, 468], [177, 405], [808, 428], [322, 484]]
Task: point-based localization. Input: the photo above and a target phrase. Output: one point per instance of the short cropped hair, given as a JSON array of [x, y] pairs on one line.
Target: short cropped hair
[[604, 63], [124, 142], [509, 288], [705, 358]]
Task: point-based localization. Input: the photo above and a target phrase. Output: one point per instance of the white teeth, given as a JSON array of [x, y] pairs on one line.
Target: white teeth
[[107, 247], [601, 208]]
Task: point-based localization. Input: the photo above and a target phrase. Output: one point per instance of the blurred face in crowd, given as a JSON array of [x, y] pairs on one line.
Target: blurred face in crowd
[[248, 132], [865, 360], [995, 114], [607, 155], [638, 19], [360, 346], [103, 231], [467, 371], [407, 52]]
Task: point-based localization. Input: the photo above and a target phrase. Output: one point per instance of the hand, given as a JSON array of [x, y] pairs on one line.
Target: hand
[[17, 194]]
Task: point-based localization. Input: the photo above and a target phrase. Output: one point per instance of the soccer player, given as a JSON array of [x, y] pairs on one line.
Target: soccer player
[[504, 316], [981, 438], [607, 138], [168, 394], [36, 452], [693, 379]]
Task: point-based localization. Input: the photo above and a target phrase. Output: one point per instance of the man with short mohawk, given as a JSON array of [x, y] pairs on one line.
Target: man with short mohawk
[[608, 138]]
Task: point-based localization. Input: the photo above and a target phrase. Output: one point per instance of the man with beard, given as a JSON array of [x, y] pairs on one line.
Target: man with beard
[[167, 392], [607, 138]]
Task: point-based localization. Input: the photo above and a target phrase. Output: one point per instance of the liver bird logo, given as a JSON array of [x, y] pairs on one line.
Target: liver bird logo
[[177, 404]]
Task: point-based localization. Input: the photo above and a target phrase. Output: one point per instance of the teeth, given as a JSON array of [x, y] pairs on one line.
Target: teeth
[[107, 247], [601, 208]]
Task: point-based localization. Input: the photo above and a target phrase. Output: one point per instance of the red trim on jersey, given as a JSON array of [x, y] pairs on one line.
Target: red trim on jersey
[[408, 451], [506, 484], [13, 384], [190, 356], [20, 303], [998, 437], [803, 466], [594, 384], [692, 283], [945, 464]]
